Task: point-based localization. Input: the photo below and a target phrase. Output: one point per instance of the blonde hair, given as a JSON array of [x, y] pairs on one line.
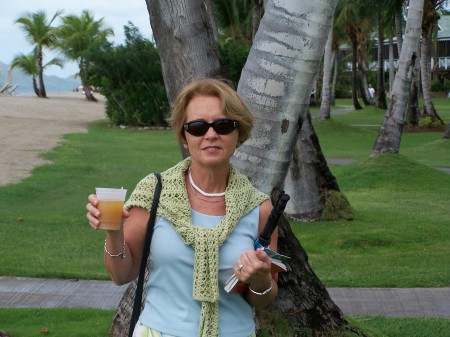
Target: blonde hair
[[233, 105]]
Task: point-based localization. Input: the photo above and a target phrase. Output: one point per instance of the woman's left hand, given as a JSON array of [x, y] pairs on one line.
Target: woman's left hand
[[253, 268]]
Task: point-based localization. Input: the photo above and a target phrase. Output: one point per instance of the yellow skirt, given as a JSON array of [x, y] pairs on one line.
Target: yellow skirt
[[142, 331]]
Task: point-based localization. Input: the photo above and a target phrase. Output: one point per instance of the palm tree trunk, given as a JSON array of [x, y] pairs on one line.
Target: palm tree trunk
[[335, 76], [257, 13], [186, 51], [447, 131], [429, 109], [364, 83], [327, 72], [354, 43], [311, 188], [277, 87], [42, 92], [412, 116], [391, 64], [390, 132], [35, 86], [381, 93], [398, 17], [86, 86]]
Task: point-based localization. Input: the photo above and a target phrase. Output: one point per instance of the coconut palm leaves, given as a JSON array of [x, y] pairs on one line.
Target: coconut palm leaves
[[39, 32], [29, 66], [76, 36]]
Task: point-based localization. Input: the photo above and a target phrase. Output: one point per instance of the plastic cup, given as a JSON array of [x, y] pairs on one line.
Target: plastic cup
[[110, 205]]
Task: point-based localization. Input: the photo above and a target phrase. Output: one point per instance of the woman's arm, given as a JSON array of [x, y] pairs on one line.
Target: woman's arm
[[131, 240], [254, 267], [123, 248]]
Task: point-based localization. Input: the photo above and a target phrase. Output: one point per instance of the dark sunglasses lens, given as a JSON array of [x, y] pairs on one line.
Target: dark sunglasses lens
[[224, 126], [198, 128]]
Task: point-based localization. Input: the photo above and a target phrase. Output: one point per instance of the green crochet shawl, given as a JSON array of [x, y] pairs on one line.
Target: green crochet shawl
[[240, 198]]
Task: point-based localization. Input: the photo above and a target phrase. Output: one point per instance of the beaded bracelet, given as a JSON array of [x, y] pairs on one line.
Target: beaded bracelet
[[264, 292], [121, 254]]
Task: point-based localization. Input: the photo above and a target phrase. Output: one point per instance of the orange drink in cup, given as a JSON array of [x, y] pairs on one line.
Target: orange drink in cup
[[110, 205]]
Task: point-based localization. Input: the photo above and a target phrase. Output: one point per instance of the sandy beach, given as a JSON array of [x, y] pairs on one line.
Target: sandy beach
[[30, 126]]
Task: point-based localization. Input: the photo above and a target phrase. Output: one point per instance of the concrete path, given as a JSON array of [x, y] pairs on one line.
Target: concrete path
[[21, 292]]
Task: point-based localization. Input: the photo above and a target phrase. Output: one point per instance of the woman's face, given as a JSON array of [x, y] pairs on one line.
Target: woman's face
[[211, 149]]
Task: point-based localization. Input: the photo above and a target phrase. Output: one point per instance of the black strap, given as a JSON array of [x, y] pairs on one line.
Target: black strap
[[146, 251]]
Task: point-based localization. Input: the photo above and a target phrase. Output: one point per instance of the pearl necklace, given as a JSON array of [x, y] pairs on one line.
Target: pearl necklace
[[199, 190], [199, 196]]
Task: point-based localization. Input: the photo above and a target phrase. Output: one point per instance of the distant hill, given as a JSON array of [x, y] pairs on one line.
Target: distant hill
[[52, 83]]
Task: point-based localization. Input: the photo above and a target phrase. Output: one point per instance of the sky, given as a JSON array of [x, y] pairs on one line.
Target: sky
[[115, 14]]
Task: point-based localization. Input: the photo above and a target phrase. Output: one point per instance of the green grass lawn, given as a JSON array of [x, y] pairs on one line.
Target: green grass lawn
[[400, 237]]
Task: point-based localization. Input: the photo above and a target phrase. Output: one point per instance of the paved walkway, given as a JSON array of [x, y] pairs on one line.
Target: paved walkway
[[21, 292]]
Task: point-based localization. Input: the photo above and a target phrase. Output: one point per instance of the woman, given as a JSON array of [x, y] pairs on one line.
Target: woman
[[209, 216]]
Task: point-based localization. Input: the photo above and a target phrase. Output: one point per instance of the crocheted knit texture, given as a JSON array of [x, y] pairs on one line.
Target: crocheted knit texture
[[240, 198]]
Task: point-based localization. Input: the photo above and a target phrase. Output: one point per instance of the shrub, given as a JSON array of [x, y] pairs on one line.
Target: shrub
[[234, 53], [428, 122], [440, 86], [130, 77]]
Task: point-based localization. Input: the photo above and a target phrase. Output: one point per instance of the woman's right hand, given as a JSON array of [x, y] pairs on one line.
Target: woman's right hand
[[93, 213]]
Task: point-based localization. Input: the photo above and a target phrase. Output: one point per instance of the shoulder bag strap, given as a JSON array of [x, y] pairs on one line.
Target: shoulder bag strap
[[148, 239]]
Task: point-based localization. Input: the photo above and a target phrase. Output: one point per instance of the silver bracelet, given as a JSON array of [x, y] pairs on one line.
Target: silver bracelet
[[264, 292], [121, 254]]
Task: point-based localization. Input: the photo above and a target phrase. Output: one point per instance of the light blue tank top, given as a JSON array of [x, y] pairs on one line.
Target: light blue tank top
[[169, 307]]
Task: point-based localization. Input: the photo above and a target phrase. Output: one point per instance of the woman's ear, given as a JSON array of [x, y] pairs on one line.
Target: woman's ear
[[186, 147]]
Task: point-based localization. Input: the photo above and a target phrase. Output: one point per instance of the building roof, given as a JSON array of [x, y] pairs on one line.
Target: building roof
[[444, 27]]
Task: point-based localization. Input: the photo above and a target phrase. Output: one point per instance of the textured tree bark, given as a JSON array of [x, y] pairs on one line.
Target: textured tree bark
[[381, 92], [302, 299], [42, 91], [354, 43], [429, 22], [257, 10], [276, 83], [364, 84], [186, 38], [447, 131], [398, 17], [311, 176], [335, 75], [391, 63], [413, 113], [186, 41], [389, 135], [326, 81]]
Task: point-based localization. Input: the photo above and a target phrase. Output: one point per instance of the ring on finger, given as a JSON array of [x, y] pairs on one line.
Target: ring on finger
[[240, 267]]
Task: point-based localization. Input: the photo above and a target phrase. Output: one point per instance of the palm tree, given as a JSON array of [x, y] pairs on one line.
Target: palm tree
[[381, 95], [28, 65], [39, 32], [284, 152], [328, 59], [350, 20], [76, 36], [234, 18], [429, 27], [258, 6], [390, 132]]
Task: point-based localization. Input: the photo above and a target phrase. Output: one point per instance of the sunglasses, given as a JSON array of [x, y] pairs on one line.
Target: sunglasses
[[199, 128]]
